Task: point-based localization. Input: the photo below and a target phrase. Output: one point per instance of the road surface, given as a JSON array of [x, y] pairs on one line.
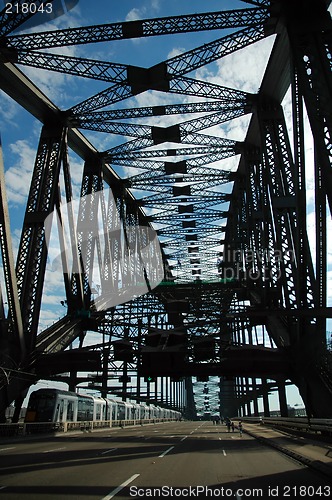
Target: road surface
[[170, 460]]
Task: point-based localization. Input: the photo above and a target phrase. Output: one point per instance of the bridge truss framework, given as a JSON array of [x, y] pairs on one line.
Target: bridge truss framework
[[241, 296]]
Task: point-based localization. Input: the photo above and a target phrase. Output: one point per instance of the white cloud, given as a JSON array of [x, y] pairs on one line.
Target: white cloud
[[242, 69], [8, 109], [18, 176], [176, 51], [144, 11], [134, 14]]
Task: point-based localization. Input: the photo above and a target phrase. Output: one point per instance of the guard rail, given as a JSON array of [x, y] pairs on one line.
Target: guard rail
[[306, 424]]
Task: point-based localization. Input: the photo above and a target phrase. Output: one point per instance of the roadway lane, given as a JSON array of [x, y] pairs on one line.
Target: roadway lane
[[131, 462]]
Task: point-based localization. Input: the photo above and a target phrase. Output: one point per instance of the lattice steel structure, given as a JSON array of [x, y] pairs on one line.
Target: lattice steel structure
[[241, 297]]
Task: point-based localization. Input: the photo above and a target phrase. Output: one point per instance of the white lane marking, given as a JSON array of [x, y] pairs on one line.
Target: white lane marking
[[119, 488], [185, 437], [3, 487], [108, 451], [165, 452], [5, 449], [224, 453], [55, 449]]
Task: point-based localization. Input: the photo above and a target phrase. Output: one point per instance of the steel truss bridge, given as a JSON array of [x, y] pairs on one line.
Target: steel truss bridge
[[231, 288]]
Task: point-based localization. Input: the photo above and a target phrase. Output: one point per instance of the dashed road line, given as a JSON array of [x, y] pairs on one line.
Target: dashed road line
[[55, 449], [108, 451], [224, 453], [167, 451], [185, 437], [5, 449], [119, 488]]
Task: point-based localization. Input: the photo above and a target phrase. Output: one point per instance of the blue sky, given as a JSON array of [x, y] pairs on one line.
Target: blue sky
[[20, 132]]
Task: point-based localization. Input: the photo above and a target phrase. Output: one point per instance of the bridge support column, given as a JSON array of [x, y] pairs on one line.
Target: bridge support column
[[190, 410], [256, 411], [282, 399], [266, 403], [248, 409], [166, 390], [72, 381]]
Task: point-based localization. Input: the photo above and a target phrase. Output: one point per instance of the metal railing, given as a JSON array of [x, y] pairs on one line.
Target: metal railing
[[312, 425], [34, 428]]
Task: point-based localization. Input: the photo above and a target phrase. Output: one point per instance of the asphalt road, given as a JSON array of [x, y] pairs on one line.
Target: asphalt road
[[172, 460]]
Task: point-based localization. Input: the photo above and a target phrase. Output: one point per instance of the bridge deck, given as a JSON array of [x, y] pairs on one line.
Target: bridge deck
[[133, 461]]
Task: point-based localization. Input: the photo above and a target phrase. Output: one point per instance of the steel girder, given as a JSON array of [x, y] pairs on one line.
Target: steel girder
[[139, 28], [170, 109], [267, 198]]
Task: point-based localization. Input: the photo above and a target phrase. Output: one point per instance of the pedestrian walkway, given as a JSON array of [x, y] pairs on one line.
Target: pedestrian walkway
[[313, 453]]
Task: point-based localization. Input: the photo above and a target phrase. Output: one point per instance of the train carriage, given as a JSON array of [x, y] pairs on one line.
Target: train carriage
[[55, 405], [58, 406]]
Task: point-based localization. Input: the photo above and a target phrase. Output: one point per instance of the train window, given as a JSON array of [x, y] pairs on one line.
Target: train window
[[70, 411], [121, 411], [98, 411], [60, 407], [42, 408], [84, 409]]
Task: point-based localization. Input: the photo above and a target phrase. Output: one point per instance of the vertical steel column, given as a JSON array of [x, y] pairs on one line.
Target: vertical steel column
[[255, 398], [282, 182], [87, 225], [172, 393], [139, 344], [310, 34], [32, 254], [282, 398], [113, 247], [15, 324], [166, 391], [266, 404], [162, 390], [156, 388], [73, 283], [248, 409]]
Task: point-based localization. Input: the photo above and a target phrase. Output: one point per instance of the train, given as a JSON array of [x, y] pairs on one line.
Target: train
[[56, 405]]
